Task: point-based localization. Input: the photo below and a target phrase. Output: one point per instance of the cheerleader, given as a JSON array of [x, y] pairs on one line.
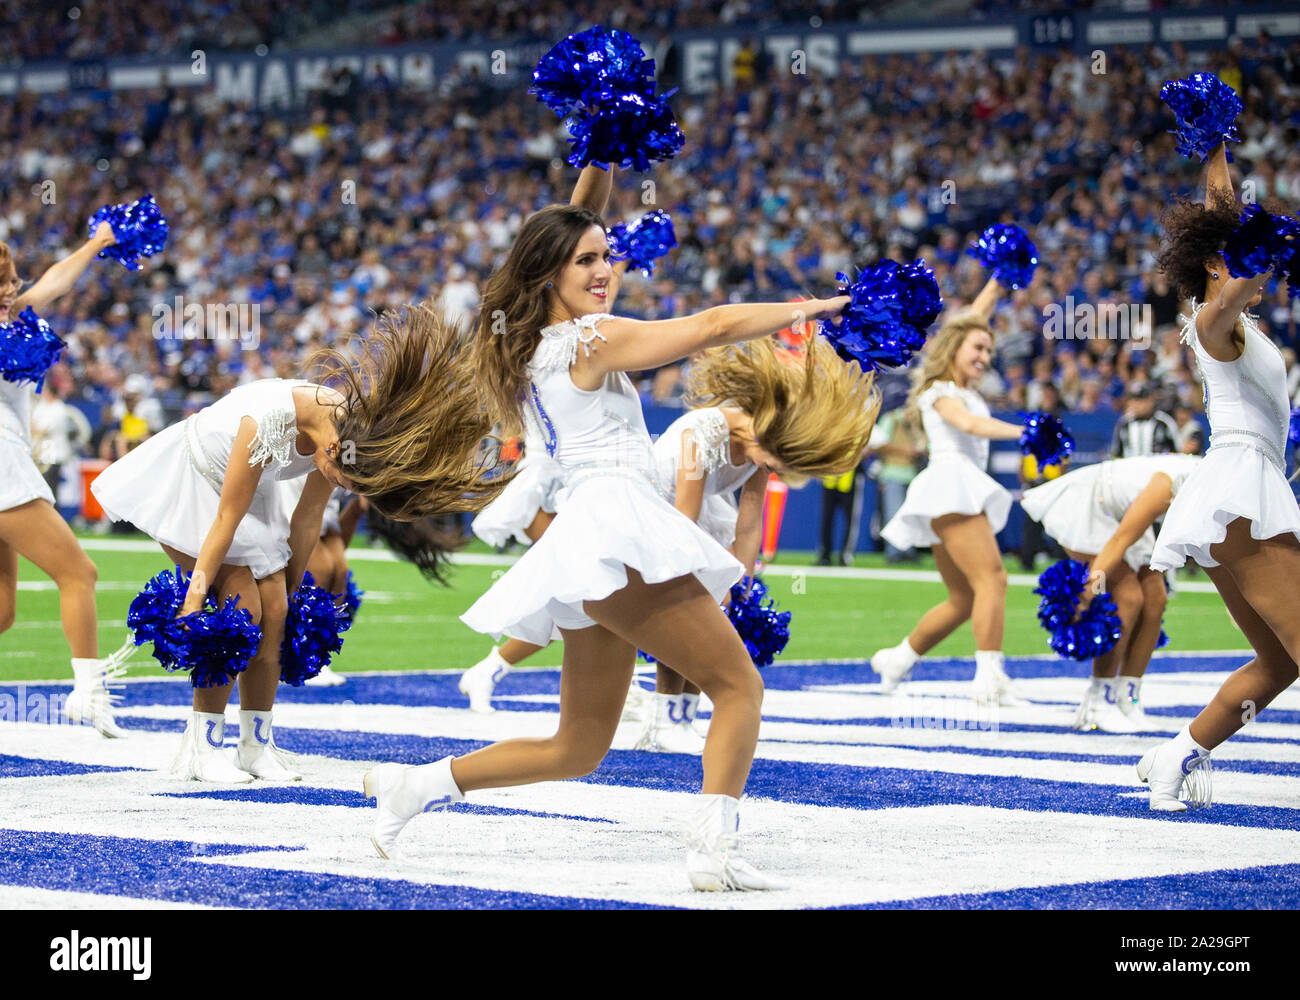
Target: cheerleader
[[619, 568], [207, 490], [1236, 514], [759, 414], [30, 526], [1103, 515], [955, 507], [528, 504]]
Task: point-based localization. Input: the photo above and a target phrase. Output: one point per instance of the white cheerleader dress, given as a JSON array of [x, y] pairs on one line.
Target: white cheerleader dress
[[536, 486], [20, 480], [1082, 509], [1243, 473], [170, 486], [718, 513], [611, 515], [954, 482]]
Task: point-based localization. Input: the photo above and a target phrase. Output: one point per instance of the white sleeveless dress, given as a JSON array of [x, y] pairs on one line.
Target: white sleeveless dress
[[718, 512], [170, 486], [20, 480], [1082, 509], [954, 482], [535, 487], [1244, 470], [610, 514]]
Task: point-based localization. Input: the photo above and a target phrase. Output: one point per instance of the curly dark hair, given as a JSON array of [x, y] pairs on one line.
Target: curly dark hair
[[1194, 233]]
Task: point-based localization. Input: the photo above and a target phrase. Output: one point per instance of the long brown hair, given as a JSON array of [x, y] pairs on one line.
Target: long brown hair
[[515, 305], [814, 412], [940, 350], [413, 423]]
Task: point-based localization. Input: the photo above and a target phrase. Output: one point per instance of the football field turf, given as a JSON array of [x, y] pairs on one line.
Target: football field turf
[[916, 800]]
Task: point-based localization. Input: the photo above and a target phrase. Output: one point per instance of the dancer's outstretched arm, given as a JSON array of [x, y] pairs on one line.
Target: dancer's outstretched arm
[[304, 526], [1150, 505], [237, 490], [749, 521], [954, 412], [635, 345], [60, 278]]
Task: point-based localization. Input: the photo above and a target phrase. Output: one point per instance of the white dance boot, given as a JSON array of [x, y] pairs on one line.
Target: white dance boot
[[992, 685], [91, 700], [327, 678], [480, 681], [402, 793], [713, 859], [667, 730], [639, 705], [894, 665], [201, 757], [258, 754], [1177, 766], [1129, 699]]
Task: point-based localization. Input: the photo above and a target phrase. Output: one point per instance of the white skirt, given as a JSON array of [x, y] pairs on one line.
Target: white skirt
[[157, 489], [20, 480], [539, 480], [1228, 484], [604, 525], [1069, 510], [948, 485]]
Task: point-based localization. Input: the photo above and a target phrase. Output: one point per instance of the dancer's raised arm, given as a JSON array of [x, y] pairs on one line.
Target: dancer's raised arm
[[987, 300], [1218, 181], [60, 277], [593, 189]]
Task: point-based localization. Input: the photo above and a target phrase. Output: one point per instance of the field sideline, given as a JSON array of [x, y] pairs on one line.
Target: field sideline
[[408, 624]]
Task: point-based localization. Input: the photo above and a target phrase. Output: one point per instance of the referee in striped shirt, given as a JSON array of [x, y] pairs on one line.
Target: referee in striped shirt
[[1143, 430]]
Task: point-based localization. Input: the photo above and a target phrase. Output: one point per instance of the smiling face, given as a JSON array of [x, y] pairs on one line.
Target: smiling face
[[973, 358], [585, 284]]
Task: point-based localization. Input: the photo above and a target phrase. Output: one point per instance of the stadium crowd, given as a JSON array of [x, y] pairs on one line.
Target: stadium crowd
[[376, 195]]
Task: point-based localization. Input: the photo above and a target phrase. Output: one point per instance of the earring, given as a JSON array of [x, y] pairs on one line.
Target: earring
[[1215, 275], [548, 284]]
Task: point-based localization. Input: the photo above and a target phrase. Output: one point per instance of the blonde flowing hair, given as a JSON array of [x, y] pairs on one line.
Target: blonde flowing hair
[[940, 350], [414, 427], [814, 413]]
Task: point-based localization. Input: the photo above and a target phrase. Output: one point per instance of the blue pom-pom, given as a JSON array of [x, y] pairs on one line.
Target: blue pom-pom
[[590, 67], [1046, 438], [1293, 431], [1009, 253], [138, 227], [1162, 640], [351, 601], [1262, 242], [890, 307], [28, 347], [213, 645], [629, 130], [1097, 630], [1205, 111], [644, 241], [312, 633], [763, 629]]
